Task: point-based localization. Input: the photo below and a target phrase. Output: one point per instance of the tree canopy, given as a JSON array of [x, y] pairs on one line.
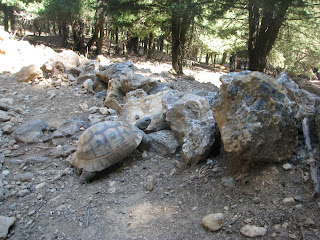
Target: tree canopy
[[268, 34]]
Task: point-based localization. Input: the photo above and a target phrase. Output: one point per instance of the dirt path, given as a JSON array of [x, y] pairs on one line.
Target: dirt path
[[51, 204]]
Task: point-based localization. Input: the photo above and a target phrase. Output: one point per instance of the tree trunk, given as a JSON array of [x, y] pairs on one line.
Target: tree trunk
[[6, 18], [12, 19], [179, 28], [78, 36], [264, 26], [151, 46], [65, 33], [145, 45], [224, 57], [101, 36]]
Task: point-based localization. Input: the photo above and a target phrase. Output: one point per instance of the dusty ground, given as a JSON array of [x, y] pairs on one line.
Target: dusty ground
[[117, 205]]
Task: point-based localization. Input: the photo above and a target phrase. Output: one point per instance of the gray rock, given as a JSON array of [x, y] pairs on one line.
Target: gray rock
[[160, 87], [303, 101], [255, 119], [23, 192], [23, 177], [31, 131], [3, 106], [213, 222], [5, 224], [253, 231], [4, 117], [8, 128], [163, 143], [63, 151], [71, 127], [191, 121]]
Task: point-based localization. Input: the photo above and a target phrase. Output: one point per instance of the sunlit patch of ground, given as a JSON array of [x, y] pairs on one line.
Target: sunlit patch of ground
[[199, 74]]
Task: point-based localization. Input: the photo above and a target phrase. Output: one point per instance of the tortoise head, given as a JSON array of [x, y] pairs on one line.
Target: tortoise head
[[143, 123]]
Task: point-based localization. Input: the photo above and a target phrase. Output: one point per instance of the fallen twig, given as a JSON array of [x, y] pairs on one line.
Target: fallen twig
[[311, 161]]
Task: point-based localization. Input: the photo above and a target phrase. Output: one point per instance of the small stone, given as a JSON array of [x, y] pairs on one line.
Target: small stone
[[256, 200], [150, 183], [5, 224], [144, 154], [308, 222], [213, 222], [89, 199], [287, 166], [228, 182], [32, 212], [288, 201], [23, 177], [5, 172], [292, 236], [23, 192], [7, 129], [4, 117], [253, 231]]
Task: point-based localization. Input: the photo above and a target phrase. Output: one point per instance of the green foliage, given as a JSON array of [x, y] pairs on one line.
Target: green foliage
[[297, 49]]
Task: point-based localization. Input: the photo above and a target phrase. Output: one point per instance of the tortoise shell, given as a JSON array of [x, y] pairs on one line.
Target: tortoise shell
[[105, 144]]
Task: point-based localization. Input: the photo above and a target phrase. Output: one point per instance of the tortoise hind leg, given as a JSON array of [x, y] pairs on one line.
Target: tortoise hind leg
[[86, 177]]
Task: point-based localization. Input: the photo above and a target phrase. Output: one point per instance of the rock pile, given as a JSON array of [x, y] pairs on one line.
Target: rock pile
[[257, 116]]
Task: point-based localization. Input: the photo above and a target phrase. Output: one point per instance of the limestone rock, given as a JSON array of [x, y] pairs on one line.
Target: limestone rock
[[213, 222], [139, 105], [67, 57], [5, 224], [28, 73], [253, 231], [303, 101], [255, 119], [163, 143], [31, 131], [191, 121], [121, 80]]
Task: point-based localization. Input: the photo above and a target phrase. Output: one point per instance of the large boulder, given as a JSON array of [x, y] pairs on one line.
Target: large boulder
[[191, 121], [138, 104], [121, 80], [255, 119]]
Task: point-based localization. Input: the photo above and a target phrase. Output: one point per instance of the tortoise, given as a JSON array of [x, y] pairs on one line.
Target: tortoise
[[107, 143]]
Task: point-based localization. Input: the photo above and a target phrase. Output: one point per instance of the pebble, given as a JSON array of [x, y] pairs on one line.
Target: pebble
[[308, 222], [5, 223], [256, 200], [253, 231], [24, 177], [288, 201], [7, 129], [4, 117], [150, 183], [5, 172], [287, 166], [228, 182], [213, 222], [23, 192]]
